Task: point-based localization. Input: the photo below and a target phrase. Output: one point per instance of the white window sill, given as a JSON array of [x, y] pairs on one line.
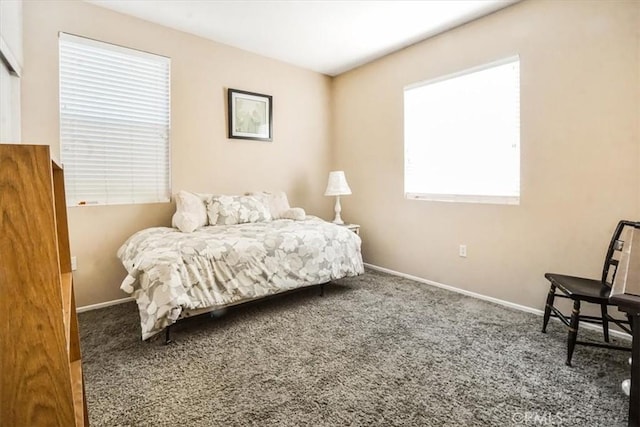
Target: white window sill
[[464, 198]]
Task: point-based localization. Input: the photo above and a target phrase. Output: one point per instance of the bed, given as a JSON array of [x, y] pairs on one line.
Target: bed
[[173, 274]]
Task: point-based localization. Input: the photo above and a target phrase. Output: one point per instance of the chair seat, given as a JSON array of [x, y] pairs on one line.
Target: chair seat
[[590, 290]]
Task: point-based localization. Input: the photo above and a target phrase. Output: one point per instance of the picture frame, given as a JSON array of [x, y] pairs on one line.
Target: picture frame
[[250, 115]]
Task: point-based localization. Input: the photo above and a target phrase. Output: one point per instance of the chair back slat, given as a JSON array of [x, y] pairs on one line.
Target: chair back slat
[[612, 259]]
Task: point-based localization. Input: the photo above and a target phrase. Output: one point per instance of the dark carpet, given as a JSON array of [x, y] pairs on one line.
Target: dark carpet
[[375, 350]]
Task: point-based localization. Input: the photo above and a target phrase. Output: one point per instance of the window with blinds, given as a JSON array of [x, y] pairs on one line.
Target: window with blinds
[[114, 123], [462, 136]]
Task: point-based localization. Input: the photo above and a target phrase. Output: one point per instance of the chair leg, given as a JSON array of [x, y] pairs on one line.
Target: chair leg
[[547, 309], [573, 331], [605, 322]]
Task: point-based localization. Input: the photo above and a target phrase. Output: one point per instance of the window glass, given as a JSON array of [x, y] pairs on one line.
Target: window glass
[[462, 136]]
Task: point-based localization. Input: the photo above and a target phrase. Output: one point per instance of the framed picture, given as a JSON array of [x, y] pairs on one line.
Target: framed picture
[[250, 115]]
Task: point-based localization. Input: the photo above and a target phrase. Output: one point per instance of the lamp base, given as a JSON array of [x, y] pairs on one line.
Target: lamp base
[[338, 220]]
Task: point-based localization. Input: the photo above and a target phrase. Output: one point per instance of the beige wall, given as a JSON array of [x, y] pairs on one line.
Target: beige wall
[[580, 77], [203, 159], [580, 156]]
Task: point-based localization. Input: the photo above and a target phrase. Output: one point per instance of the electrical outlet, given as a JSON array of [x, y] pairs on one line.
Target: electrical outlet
[[74, 263], [462, 251]]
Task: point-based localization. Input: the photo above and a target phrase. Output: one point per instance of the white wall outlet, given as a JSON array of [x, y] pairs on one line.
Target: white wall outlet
[[462, 251], [74, 263]]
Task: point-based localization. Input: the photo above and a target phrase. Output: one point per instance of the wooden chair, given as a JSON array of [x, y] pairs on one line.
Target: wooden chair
[[593, 291]]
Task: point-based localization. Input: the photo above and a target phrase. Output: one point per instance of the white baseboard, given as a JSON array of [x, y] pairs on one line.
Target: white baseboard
[[617, 334], [103, 304]]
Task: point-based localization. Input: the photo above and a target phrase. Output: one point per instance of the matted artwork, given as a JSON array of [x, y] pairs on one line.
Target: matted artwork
[[250, 115]]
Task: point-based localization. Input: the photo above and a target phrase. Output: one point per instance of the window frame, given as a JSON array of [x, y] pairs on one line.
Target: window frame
[[456, 197], [163, 191]]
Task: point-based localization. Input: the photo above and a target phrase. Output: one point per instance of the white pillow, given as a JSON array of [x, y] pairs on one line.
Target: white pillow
[[185, 222], [277, 203], [296, 214], [191, 212], [229, 210]]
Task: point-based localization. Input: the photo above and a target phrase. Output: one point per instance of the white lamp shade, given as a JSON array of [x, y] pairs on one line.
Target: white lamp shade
[[337, 185]]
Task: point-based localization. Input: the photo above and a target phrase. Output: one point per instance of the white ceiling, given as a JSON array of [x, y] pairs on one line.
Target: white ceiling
[[329, 37]]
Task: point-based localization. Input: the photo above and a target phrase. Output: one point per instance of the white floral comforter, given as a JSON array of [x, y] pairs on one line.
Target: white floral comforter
[[224, 264]]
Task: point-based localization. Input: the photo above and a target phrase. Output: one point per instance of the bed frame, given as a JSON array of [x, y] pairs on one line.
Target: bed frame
[[211, 310]]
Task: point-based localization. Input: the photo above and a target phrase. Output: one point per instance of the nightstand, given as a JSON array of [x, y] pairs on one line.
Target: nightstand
[[353, 227]]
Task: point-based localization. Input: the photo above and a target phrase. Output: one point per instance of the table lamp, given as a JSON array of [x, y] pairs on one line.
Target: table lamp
[[337, 186]]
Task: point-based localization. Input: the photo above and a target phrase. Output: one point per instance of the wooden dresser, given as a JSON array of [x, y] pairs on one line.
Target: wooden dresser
[[41, 381]]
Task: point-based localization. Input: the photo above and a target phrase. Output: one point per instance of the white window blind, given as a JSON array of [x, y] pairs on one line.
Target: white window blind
[[462, 136], [114, 123]]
